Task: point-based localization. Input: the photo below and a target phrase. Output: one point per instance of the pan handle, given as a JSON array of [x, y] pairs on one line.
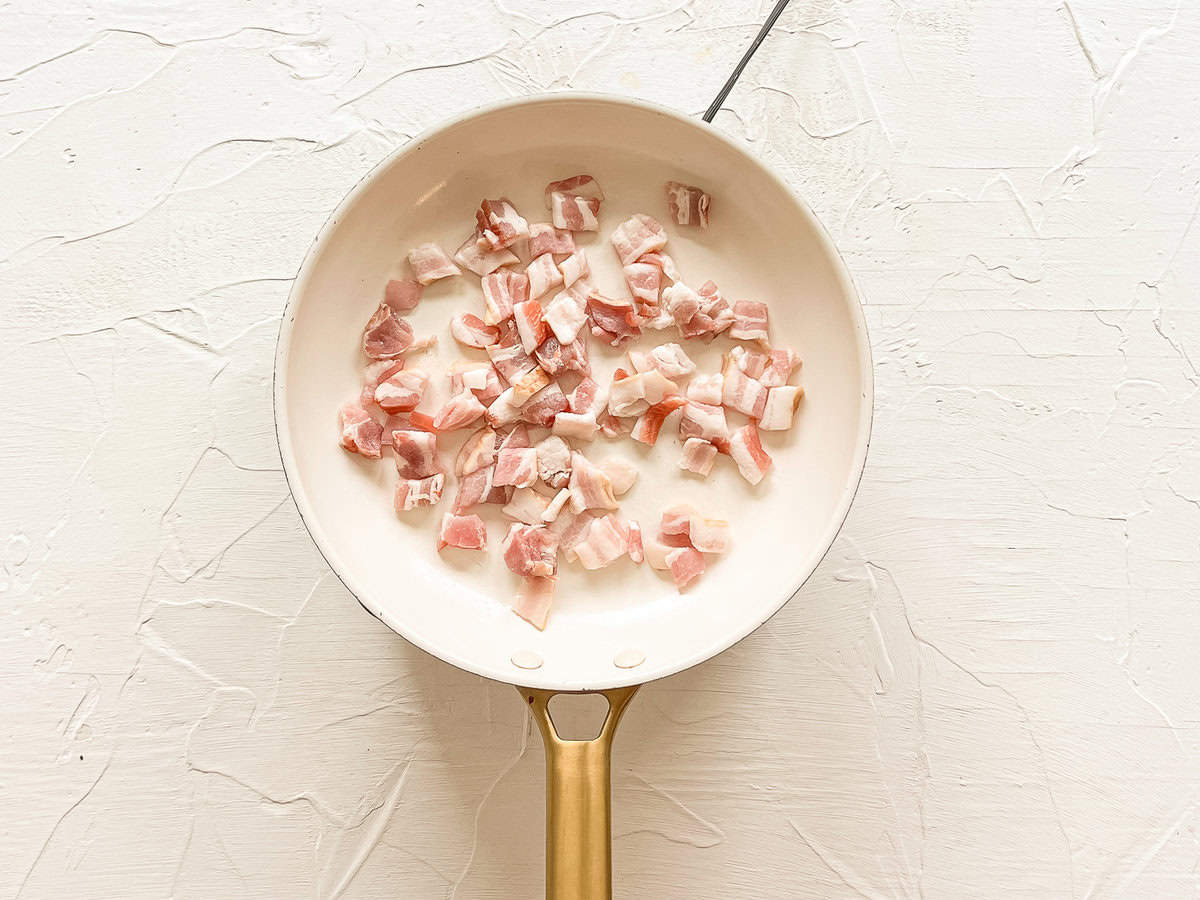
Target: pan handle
[[578, 801]]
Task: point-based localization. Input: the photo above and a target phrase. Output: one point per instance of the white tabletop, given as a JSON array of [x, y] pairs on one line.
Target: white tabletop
[[989, 688]]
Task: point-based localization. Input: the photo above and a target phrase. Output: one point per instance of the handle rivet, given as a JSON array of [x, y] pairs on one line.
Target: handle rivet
[[526, 659], [629, 659]]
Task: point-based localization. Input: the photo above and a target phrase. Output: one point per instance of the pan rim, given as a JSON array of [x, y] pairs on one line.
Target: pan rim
[[621, 677]]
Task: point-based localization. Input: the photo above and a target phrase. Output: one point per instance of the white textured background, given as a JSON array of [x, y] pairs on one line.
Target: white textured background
[[990, 688]]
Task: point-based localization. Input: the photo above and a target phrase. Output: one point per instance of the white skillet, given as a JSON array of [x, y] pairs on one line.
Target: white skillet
[[625, 625]]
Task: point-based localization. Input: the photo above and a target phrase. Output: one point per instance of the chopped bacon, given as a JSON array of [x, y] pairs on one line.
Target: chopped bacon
[[749, 321], [565, 318], [530, 327], [555, 506], [663, 263], [480, 260], [576, 185], [703, 420], [501, 292], [476, 487], [644, 282], [698, 456], [530, 550], [516, 438], [471, 331], [684, 305], [379, 371], [526, 385], [685, 564], [779, 367], [656, 550], [403, 296], [669, 359], [543, 274], [430, 263], [743, 393], [579, 426], [554, 461], [421, 421], [413, 492], [510, 361], [752, 362], [590, 487], [637, 236], [499, 224], [604, 543], [688, 205], [780, 407], [505, 409], [416, 453], [542, 407], [401, 391], [458, 412], [556, 358], [386, 335], [715, 307], [477, 452], [615, 426], [464, 532], [360, 433], [545, 238], [534, 600], [705, 534], [706, 388], [746, 450], [588, 396], [516, 466], [634, 538], [649, 423], [635, 394], [574, 268], [621, 474], [526, 505], [479, 377], [574, 213], [677, 519], [423, 343], [613, 320]]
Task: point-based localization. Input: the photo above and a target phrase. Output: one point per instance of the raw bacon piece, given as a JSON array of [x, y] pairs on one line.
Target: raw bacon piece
[[403, 296], [554, 461], [663, 263], [531, 550], [416, 453], [471, 331], [528, 384], [574, 213], [574, 268], [613, 320], [555, 506], [543, 274], [360, 433], [476, 488], [688, 205], [644, 282], [649, 423], [615, 426], [386, 335], [706, 388], [480, 378], [516, 466], [715, 307], [565, 318], [780, 407], [749, 321], [751, 362], [743, 393], [705, 421], [430, 263], [526, 505], [376, 372], [746, 450], [413, 492], [577, 186], [780, 364], [588, 396], [603, 544], [402, 391], [477, 452], [632, 396], [499, 225], [676, 520], [686, 564], [419, 421], [656, 551], [684, 306], [464, 532], [634, 537], [668, 359], [637, 236], [459, 411], [516, 438], [709, 535], [505, 409], [530, 327], [534, 600], [501, 292], [698, 456], [542, 407], [621, 474], [480, 260], [578, 426], [510, 361], [545, 238], [590, 487], [423, 343]]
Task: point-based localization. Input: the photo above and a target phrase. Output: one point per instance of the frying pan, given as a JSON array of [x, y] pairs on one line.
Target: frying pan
[[626, 625]]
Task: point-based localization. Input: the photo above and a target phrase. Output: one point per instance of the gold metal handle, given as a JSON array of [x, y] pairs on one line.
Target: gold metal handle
[[578, 801]]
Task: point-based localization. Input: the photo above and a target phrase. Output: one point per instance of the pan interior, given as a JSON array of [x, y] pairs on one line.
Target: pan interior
[[763, 244]]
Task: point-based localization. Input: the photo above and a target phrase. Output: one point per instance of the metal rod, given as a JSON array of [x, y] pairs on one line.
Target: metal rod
[[737, 71]]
